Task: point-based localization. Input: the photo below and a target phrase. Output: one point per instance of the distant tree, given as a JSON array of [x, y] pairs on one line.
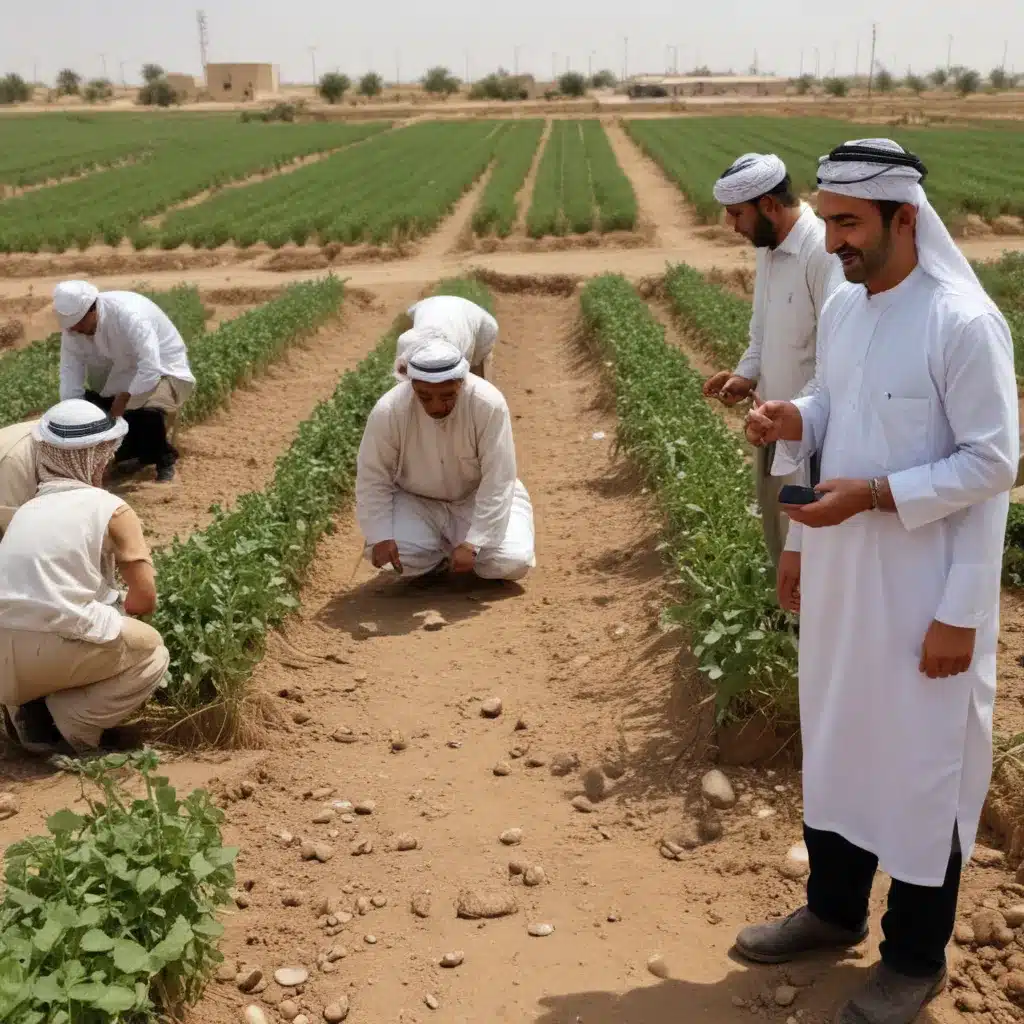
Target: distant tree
[[916, 84], [884, 80], [702, 72], [14, 89], [1000, 79], [836, 86], [572, 83], [157, 91], [98, 90], [939, 77], [499, 85], [967, 81], [68, 82], [152, 73], [333, 86], [371, 84], [440, 81], [604, 79], [804, 84]]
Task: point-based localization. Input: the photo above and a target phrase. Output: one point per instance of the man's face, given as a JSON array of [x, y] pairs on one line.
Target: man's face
[[856, 233], [438, 400], [88, 323], [750, 221]]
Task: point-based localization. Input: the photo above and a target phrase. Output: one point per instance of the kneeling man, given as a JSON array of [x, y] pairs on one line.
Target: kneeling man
[[436, 486]]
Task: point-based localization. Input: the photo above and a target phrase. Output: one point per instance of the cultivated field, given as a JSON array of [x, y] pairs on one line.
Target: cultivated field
[[365, 792]]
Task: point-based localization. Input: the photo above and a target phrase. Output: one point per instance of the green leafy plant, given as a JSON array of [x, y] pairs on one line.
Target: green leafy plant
[[718, 319], [497, 210], [439, 81], [371, 84], [333, 86], [111, 917], [68, 82], [572, 83]]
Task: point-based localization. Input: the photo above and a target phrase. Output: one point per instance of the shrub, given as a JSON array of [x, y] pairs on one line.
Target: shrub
[[939, 77], [836, 86], [157, 92], [967, 81], [499, 85], [804, 84], [371, 84], [333, 86], [14, 89], [604, 79], [152, 73], [572, 83], [439, 81], [884, 81], [68, 82], [98, 90], [916, 84]]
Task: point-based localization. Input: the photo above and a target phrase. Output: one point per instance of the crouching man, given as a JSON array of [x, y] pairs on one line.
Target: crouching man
[[436, 487], [74, 662]]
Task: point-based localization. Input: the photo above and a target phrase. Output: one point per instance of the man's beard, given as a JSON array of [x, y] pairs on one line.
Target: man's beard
[[766, 235], [862, 264]]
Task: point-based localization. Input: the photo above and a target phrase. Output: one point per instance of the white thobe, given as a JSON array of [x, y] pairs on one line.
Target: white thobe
[[431, 485], [915, 384], [469, 327], [135, 346]]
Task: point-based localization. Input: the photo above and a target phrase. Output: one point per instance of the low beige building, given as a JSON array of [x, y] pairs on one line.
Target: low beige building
[[235, 83], [184, 85], [706, 85]]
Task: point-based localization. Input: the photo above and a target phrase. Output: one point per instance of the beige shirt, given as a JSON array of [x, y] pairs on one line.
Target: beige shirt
[[18, 480]]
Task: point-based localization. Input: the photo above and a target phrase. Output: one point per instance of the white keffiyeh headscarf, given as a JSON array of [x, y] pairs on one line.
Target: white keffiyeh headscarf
[[749, 178], [437, 362], [412, 340], [870, 175]]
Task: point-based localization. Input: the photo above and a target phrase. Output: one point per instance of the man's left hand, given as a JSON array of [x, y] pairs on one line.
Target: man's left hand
[[840, 500], [947, 651], [463, 558], [117, 410]]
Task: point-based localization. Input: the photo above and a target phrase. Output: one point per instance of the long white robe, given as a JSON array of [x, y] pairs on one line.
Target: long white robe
[[916, 384], [431, 485], [469, 327]]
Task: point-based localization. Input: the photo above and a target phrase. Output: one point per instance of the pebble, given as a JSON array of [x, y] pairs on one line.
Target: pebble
[[343, 806], [491, 708], [291, 898], [254, 1015], [785, 995], [421, 904], [288, 1009], [323, 793], [242, 901], [286, 838], [226, 972], [614, 917], [380, 900], [535, 761], [522, 724], [453, 959], [317, 851], [717, 790], [540, 930], [289, 977], [657, 966], [1014, 982], [362, 847], [370, 940], [534, 875], [336, 953], [248, 978], [614, 770], [248, 788], [398, 743], [582, 804], [324, 817], [474, 904], [517, 752], [336, 1011], [433, 620], [406, 841], [362, 906], [512, 836], [1014, 915], [300, 717], [431, 1001], [710, 828], [301, 1019], [595, 785], [502, 768], [564, 764], [365, 807], [797, 863]]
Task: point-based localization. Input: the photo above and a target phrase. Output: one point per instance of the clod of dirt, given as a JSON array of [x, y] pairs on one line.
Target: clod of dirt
[[317, 851], [323, 793], [290, 977], [535, 761], [502, 768], [248, 788], [337, 1010], [433, 620], [300, 717], [8, 805], [963, 934], [398, 742], [453, 959], [362, 906], [1013, 983], [227, 971], [534, 875], [797, 863], [717, 790], [288, 1009], [522, 724], [335, 953], [986, 857], [595, 785], [517, 752], [343, 734], [540, 930], [671, 850], [491, 708], [969, 1002], [406, 841], [242, 900], [657, 966], [254, 1015], [613, 770], [990, 928], [380, 900], [517, 867], [362, 847], [323, 817], [1014, 915], [582, 804], [248, 978], [431, 1001], [474, 904], [421, 904], [365, 807], [291, 898], [512, 836], [785, 995], [710, 827], [563, 764]]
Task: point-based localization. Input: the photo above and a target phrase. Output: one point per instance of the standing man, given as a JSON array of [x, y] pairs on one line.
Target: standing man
[[794, 277], [436, 485], [467, 326], [913, 410], [127, 349]]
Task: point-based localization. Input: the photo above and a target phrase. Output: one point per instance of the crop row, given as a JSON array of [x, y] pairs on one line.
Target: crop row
[[497, 211], [580, 185], [225, 586], [397, 186], [971, 170], [696, 465], [111, 205]]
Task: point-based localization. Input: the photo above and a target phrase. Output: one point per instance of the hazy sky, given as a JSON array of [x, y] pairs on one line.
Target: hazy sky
[[50, 34]]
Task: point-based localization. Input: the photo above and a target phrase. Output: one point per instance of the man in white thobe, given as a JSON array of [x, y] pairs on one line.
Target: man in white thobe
[[436, 485], [122, 352], [464, 324], [913, 409], [793, 278]]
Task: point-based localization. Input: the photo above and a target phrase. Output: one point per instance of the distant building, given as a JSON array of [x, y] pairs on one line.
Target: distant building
[[236, 83], [705, 85]]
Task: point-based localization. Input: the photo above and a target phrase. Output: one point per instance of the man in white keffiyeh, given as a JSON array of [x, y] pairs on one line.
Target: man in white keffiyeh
[[913, 411]]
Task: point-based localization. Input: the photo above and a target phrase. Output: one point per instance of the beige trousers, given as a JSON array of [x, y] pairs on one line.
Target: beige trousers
[[774, 522], [167, 397], [88, 687]]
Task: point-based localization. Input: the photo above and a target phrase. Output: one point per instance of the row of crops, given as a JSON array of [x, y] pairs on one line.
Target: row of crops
[[580, 186], [971, 169]]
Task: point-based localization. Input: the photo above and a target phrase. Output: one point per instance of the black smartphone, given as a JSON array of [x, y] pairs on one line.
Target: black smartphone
[[794, 494]]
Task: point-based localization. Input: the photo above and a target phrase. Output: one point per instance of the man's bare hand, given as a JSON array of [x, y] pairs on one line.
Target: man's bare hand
[[947, 651], [768, 422], [386, 552], [117, 410], [728, 388], [840, 500], [787, 585], [463, 559]]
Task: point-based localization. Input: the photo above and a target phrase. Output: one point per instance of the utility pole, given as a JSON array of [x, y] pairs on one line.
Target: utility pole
[[35, 70], [590, 64], [398, 67], [625, 57], [554, 65], [466, 79], [124, 80], [817, 63], [801, 62], [835, 58], [1006, 48], [856, 62], [754, 65], [204, 39], [871, 66], [515, 60], [312, 58], [103, 62], [949, 55]]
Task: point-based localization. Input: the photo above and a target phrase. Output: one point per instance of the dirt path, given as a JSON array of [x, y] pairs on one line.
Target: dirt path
[[455, 229], [524, 197]]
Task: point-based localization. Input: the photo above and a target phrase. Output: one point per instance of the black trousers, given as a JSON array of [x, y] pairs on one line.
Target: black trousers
[[147, 434], [918, 922]]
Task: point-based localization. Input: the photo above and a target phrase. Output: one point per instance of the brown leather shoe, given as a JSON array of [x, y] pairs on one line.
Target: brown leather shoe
[[891, 998], [777, 942]]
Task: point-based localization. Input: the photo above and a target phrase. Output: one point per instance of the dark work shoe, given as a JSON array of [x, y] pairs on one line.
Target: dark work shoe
[[33, 728], [165, 473], [890, 998], [777, 942]]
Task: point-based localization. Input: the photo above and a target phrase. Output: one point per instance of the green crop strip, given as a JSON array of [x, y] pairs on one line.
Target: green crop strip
[[496, 212], [696, 465]]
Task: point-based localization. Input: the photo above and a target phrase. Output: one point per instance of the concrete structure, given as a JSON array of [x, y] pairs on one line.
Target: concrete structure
[[184, 85], [706, 85], [234, 83]]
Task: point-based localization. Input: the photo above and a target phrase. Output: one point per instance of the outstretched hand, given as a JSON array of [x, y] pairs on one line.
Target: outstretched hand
[[769, 422], [840, 500]]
